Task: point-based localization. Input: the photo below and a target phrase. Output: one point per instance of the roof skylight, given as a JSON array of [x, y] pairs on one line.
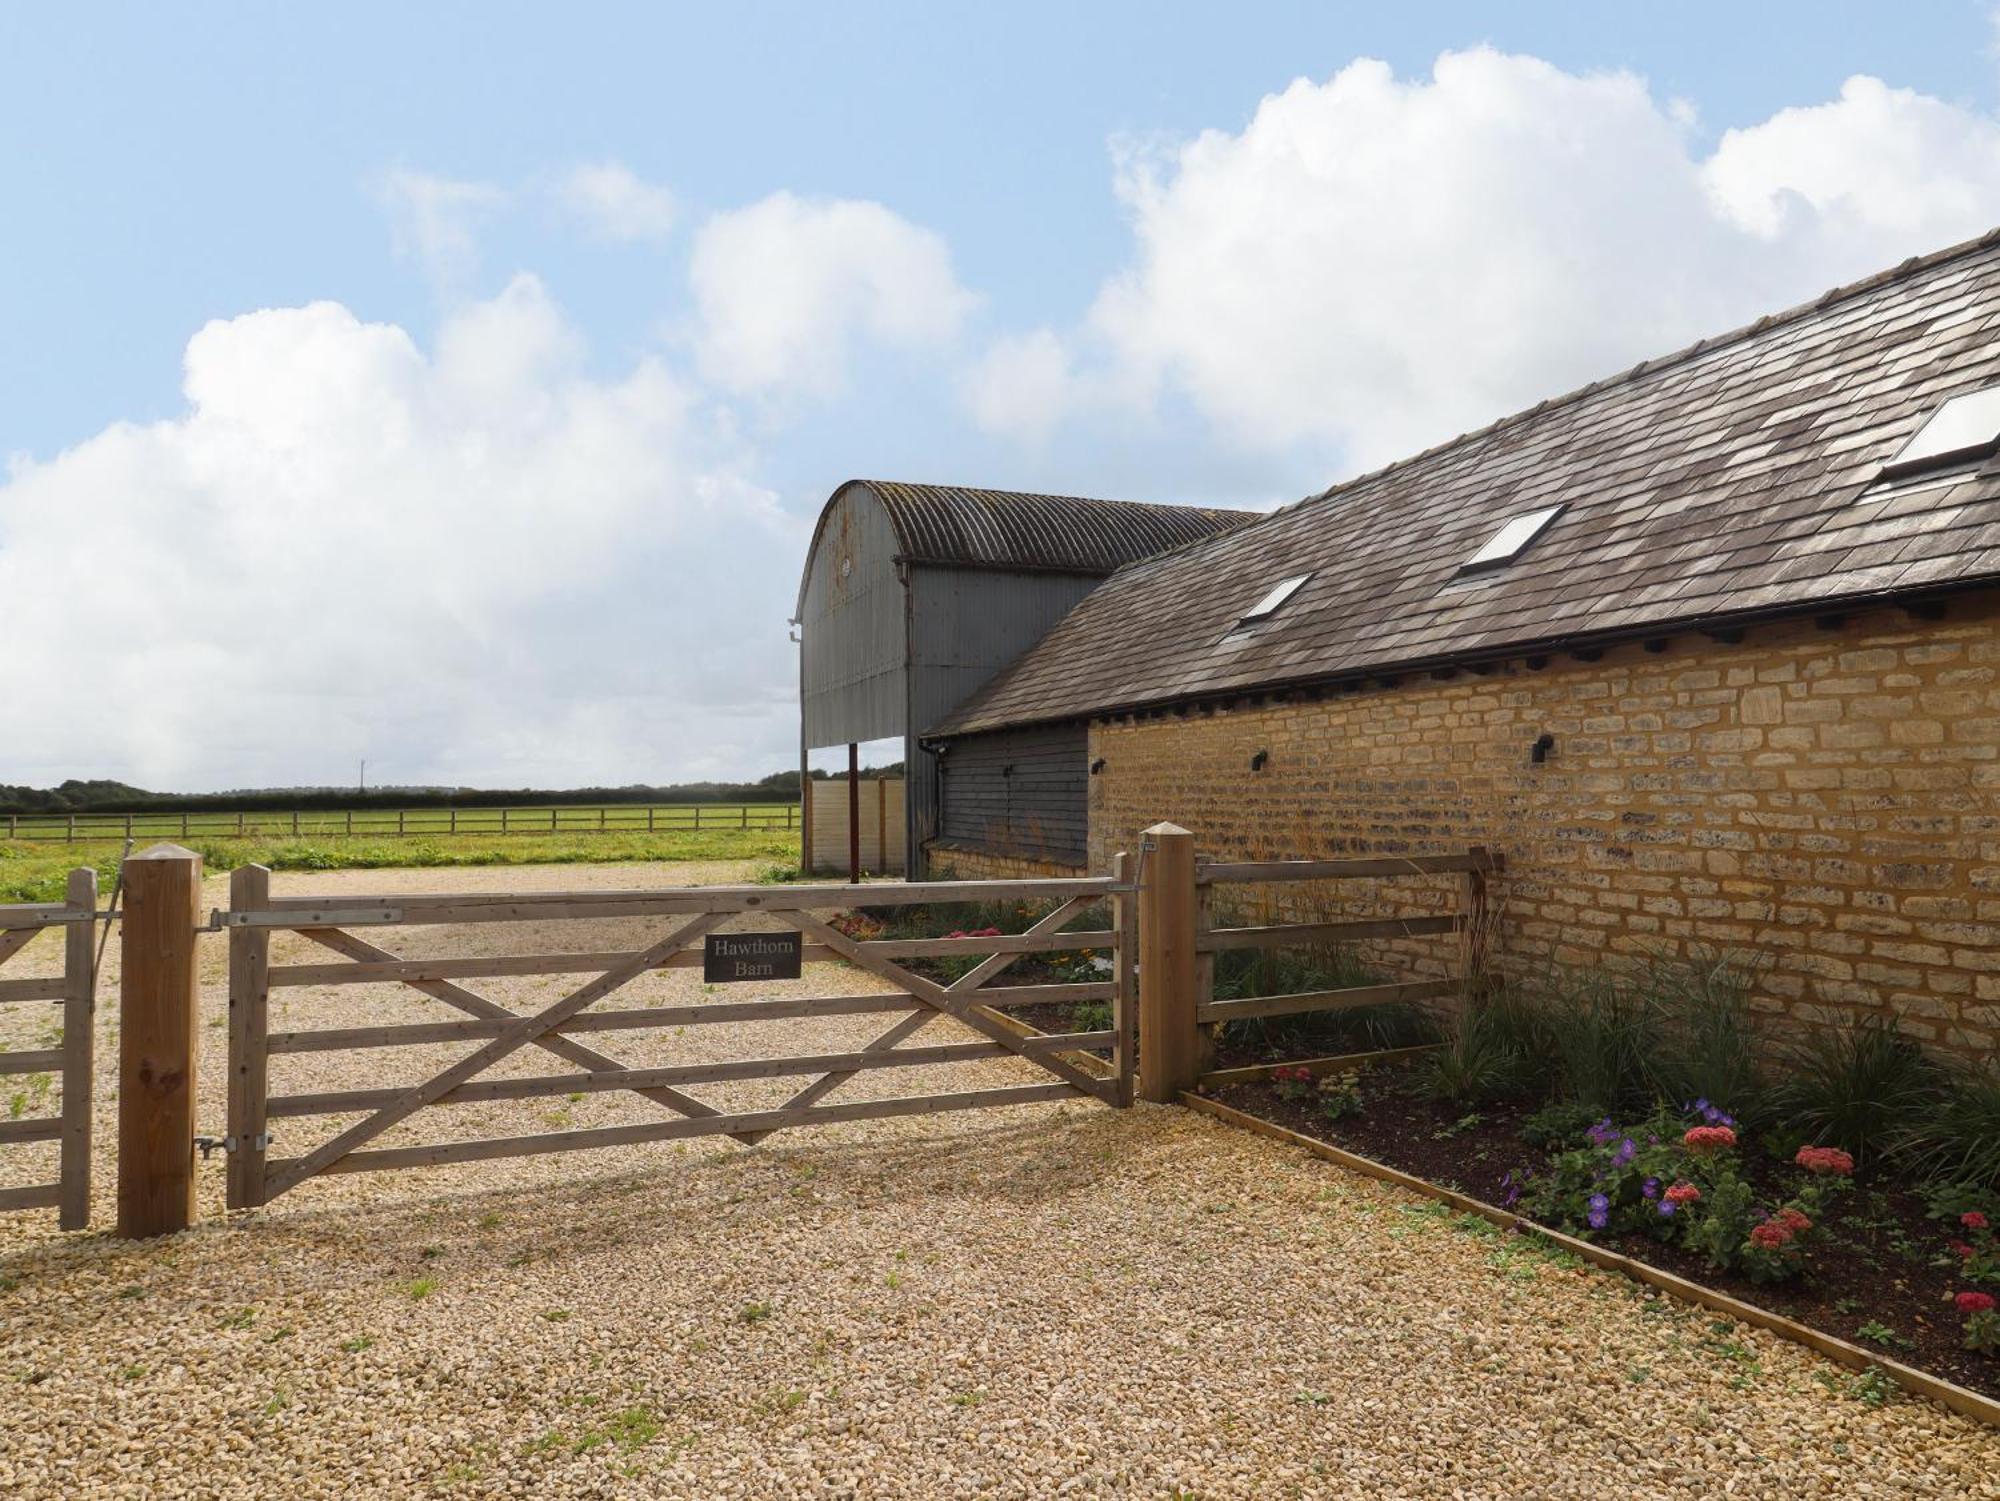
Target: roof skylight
[[1269, 605], [1966, 427], [1511, 540]]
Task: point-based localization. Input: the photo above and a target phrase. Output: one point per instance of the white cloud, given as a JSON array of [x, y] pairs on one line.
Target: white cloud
[[1373, 264], [615, 204], [436, 220], [1875, 172], [785, 288], [478, 563]]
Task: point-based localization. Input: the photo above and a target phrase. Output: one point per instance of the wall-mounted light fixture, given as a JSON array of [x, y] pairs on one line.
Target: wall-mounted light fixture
[[1097, 766], [1539, 752], [1257, 762]]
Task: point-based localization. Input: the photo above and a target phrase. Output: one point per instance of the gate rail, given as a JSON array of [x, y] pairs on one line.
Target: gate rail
[[75, 991], [254, 915]]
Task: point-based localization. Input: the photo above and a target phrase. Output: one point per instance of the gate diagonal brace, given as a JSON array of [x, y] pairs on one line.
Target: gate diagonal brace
[[526, 1030], [961, 1008], [909, 1026], [474, 1004]]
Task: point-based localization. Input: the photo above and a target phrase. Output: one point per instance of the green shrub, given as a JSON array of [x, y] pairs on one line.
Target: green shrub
[[1857, 1087], [1558, 1123], [1496, 1048], [1957, 1140], [1603, 1033], [1705, 1045]]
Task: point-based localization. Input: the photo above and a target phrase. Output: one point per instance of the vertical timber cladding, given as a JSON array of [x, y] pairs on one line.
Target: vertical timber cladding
[[1019, 793], [965, 625], [1825, 804]]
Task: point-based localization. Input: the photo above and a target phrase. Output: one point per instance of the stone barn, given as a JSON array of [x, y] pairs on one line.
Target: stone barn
[[1709, 649], [913, 596]]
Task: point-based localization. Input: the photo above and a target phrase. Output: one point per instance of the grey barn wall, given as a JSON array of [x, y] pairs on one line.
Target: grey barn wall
[[964, 626], [1020, 792], [852, 683]]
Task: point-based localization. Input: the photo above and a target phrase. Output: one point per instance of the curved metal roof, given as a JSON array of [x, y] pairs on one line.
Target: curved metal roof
[[962, 527], [957, 527]]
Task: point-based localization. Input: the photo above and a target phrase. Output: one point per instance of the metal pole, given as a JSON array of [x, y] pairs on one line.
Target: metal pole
[[853, 811]]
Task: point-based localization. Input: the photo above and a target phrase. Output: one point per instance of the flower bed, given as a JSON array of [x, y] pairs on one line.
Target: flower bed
[[1868, 1257]]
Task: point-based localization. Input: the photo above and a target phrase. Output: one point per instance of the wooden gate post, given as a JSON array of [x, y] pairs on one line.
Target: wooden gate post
[[248, 1139], [156, 1045], [1169, 1049]]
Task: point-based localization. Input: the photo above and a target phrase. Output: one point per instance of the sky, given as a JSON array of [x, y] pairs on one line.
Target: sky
[[455, 386]]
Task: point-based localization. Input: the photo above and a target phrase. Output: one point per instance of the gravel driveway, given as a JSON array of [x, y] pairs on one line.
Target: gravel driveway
[[1045, 1300]]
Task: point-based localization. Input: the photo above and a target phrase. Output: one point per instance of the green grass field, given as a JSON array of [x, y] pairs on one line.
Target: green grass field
[[321, 823], [33, 872]]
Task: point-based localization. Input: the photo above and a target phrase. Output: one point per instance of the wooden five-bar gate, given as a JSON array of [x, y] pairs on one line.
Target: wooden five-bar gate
[[68, 1058], [1066, 1061]]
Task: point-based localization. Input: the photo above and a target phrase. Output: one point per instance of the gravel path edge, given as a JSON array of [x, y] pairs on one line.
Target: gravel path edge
[[1919, 1383]]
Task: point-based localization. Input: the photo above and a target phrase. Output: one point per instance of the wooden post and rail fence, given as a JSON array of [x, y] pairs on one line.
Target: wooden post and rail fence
[[1158, 983]]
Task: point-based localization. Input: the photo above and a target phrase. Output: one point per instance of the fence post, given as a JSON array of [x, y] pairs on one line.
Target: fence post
[[79, 1048], [249, 1034], [1169, 1049], [156, 1047]]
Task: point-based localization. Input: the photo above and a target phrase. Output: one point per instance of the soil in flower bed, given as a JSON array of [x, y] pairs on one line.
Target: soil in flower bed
[[1881, 1262]]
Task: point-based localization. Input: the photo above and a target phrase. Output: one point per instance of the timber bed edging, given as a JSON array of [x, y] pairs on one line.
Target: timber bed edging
[[1919, 1383]]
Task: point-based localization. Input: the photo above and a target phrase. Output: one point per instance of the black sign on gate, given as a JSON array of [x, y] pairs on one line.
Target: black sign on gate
[[730, 957]]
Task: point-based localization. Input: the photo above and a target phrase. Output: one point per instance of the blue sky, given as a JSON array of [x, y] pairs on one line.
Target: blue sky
[[1002, 252]]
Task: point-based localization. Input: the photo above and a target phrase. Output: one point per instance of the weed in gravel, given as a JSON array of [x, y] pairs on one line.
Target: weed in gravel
[[420, 1288], [489, 1221], [556, 1315], [753, 1313], [243, 1318], [359, 1343], [132, 1290]]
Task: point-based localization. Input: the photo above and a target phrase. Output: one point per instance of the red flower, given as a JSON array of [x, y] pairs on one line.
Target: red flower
[[1972, 1219], [1961, 1247], [1974, 1302], [1829, 1160], [1794, 1220], [1769, 1236], [1708, 1138], [1682, 1193]]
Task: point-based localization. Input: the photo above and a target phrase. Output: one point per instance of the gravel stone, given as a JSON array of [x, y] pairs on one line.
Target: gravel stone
[[1047, 1300]]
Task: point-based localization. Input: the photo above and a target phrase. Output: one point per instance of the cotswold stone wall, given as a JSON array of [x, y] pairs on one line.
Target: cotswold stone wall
[[963, 863], [1825, 801]]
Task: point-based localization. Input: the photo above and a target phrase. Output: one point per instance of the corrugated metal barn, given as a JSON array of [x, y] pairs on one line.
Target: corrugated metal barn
[[914, 596]]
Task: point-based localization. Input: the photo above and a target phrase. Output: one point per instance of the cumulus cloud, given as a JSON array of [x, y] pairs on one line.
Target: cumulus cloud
[[613, 203], [1373, 264], [435, 219], [786, 288], [472, 563]]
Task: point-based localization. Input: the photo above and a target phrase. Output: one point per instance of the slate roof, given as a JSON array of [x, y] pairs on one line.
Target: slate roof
[[957, 526], [1718, 483]]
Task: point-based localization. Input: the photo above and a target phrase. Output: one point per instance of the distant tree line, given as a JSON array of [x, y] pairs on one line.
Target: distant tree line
[[118, 797]]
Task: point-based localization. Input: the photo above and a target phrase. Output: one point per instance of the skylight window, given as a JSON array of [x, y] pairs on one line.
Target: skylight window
[[1511, 540], [1966, 427], [1269, 605]]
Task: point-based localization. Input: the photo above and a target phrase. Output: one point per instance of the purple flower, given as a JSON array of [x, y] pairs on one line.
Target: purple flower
[[1650, 1188], [1667, 1208], [1600, 1211], [1625, 1153], [1602, 1132]]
